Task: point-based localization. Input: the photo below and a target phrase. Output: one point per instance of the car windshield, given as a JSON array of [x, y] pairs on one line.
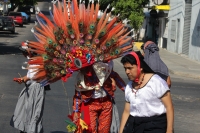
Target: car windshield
[[14, 14], [7, 19]]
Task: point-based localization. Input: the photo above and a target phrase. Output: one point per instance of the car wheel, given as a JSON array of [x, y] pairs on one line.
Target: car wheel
[[13, 31]]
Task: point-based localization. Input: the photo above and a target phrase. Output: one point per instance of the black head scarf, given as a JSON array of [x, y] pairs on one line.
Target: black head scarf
[[152, 59]]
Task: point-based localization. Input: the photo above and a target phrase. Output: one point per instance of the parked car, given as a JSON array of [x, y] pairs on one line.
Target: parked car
[[18, 18], [28, 9], [25, 17], [7, 24]]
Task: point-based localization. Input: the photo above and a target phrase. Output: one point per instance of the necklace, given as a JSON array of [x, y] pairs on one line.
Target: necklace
[[139, 84]]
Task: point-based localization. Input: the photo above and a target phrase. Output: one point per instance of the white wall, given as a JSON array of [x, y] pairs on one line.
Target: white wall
[[177, 11], [194, 47]]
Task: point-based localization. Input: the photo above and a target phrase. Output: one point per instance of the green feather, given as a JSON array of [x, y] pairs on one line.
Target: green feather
[[108, 44], [117, 51], [55, 45], [49, 41], [45, 57], [92, 26]]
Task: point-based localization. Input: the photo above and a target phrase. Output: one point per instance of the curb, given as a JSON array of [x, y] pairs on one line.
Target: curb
[[184, 74], [181, 55]]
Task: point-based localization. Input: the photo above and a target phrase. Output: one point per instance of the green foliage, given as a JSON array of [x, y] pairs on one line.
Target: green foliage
[[132, 10], [23, 2], [105, 3]]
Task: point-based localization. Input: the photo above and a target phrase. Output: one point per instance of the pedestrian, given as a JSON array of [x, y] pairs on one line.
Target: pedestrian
[[94, 93], [148, 105], [30, 105], [153, 60]]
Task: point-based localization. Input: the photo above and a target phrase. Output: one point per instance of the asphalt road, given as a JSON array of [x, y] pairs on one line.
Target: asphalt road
[[58, 101]]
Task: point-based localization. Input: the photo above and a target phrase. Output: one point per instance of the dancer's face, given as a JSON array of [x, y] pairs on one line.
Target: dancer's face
[[131, 71], [87, 71]]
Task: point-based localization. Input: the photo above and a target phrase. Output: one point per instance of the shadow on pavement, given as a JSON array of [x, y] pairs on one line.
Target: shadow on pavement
[[7, 34], [58, 132], [5, 49], [24, 26]]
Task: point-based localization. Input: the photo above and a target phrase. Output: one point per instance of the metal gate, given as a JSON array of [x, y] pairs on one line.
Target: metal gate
[[186, 31]]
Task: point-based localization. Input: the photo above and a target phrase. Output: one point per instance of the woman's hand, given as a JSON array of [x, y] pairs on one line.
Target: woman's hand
[[21, 80], [18, 80]]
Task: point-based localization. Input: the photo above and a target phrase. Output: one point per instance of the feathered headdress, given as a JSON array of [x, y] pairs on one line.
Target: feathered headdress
[[75, 39]]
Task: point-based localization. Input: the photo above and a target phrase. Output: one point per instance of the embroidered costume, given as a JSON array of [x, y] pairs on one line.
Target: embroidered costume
[[95, 92]]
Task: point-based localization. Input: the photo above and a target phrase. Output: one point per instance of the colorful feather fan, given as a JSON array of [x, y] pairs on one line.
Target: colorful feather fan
[[75, 39]]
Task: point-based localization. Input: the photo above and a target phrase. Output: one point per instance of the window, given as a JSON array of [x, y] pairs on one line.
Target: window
[[188, 1], [173, 30], [15, 14]]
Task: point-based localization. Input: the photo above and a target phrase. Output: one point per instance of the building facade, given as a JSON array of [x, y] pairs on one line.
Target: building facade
[[183, 28], [4, 5], [155, 23]]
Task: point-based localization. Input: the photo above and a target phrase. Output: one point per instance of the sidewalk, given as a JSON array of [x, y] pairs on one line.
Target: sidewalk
[[177, 64], [180, 64]]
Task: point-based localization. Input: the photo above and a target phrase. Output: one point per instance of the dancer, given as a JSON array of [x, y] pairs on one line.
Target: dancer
[[148, 107], [30, 105], [94, 93]]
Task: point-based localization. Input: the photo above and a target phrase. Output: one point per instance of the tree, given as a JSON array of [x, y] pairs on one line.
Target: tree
[[15, 3], [104, 4], [132, 10]]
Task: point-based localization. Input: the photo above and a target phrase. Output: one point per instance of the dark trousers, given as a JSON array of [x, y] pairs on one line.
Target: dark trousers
[[155, 124]]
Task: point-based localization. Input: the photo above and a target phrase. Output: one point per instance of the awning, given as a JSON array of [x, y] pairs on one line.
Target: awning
[[161, 7]]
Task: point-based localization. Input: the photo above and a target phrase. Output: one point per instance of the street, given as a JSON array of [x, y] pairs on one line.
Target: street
[[58, 101]]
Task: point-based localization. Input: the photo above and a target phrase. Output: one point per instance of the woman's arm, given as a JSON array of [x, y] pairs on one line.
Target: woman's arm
[[169, 81], [22, 79], [76, 105], [125, 116], [118, 80], [167, 101]]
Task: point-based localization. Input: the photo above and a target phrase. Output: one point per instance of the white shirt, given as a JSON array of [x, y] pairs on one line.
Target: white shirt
[[99, 93], [146, 102], [31, 72]]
